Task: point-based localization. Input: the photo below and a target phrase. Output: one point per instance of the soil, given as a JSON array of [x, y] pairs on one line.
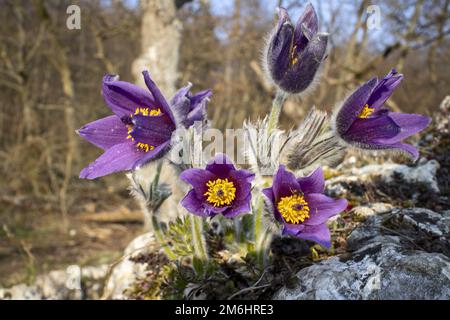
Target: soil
[[34, 239]]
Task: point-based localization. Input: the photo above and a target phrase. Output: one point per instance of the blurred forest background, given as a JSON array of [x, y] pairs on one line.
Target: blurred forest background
[[50, 81]]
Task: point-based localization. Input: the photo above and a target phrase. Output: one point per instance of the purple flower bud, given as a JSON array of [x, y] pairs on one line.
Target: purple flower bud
[[299, 203], [219, 188], [364, 122], [294, 54]]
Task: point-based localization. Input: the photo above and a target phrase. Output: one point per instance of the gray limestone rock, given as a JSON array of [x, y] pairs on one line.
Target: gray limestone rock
[[399, 254]]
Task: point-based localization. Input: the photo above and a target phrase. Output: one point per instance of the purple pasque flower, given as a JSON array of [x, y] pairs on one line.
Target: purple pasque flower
[[299, 203], [295, 53], [219, 188], [363, 120], [142, 125]]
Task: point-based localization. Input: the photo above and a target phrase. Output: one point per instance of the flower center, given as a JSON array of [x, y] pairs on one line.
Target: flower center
[[148, 113], [366, 112], [220, 192], [294, 209]]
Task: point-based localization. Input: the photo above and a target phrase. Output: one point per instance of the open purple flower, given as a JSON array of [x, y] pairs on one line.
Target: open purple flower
[[219, 188], [301, 205], [294, 54], [142, 125], [364, 122]]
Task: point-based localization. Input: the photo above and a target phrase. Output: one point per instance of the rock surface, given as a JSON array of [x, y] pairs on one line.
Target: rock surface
[[393, 254], [77, 283], [125, 273], [424, 173], [73, 283]]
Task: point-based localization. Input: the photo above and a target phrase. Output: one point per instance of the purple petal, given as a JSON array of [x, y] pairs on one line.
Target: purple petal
[[268, 192], [242, 182], [159, 98], [151, 130], [314, 183], [196, 114], [198, 107], [160, 124], [284, 183], [119, 157], [105, 132], [187, 108], [220, 165], [149, 137], [404, 147], [211, 209], [292, 229], [124, 98], [322, 208], [198, 179], [306, 28], [371, 130], [193, 204], [180, 103], [200, 97], [278, 52], [181, 95], [239, 206], [156, 153], [384, 89], [319, 234], [353, 105], [409, 124], [298, 77]]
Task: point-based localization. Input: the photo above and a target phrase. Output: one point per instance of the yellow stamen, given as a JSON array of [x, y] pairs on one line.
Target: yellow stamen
[[294, 209], [147, 112], [366, 112], [220, 192], [130, 129], [145, 146]]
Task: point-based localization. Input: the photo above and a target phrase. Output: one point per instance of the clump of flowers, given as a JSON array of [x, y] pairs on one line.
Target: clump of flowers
[[264, 197]]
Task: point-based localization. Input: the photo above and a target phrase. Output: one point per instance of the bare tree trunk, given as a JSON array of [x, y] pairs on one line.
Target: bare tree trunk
[[160, 45], [61, 64], [161, 37]]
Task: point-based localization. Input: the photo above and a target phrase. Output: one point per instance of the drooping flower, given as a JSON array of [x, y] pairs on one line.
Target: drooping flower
[[219, 188], [299, 203], [295, 53], [142, 125], [364, 122]]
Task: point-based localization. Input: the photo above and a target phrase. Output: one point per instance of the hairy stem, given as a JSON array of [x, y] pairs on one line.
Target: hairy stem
[[161, 238], [277, 105], [155, 223], [259, 231], [197, 237]]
